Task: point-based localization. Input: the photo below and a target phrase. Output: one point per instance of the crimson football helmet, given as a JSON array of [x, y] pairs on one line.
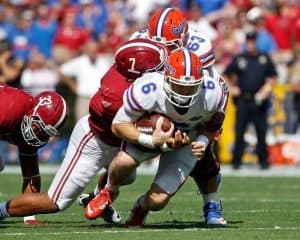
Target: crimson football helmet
[[139, 56], [43, 120], [168, 26], [183, 77]]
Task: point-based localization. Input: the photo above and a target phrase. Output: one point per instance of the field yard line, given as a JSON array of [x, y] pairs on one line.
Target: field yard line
[[151, 230], [245, 171]]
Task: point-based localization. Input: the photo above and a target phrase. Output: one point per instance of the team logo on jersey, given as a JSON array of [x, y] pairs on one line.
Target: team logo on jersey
[[177, 30]]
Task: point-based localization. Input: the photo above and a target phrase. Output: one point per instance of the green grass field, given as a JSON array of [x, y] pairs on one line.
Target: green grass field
[[255, 208]]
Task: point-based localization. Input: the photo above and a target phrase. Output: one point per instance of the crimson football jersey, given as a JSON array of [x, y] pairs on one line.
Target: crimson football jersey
[[105, 103], [13, 105]]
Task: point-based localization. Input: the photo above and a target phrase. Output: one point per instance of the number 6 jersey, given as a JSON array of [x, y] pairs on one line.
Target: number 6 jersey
[[147, 95]]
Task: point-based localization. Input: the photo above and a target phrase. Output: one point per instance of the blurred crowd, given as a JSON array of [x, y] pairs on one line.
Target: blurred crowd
[[67, 45]]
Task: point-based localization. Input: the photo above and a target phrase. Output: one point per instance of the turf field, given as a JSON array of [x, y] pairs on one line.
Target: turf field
[[255, 208]]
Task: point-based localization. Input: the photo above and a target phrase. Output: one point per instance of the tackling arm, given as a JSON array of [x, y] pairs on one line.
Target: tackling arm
[[30, 171], [206, 134]]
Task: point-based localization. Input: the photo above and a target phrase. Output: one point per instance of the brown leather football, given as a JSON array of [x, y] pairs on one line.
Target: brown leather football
[[147, 124]]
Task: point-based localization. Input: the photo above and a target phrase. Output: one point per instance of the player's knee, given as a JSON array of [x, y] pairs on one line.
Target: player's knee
[[156, 198], [157, 201]]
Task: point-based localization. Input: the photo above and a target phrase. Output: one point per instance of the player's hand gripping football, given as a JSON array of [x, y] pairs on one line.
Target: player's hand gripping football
[[159, 135]]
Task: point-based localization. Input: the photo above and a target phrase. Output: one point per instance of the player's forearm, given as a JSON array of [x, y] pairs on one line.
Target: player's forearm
[[126, 131]]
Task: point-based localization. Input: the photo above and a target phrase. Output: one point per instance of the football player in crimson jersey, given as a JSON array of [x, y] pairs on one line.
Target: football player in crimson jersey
[[193, 102], [169, 26], [28, 122], [92, 144]]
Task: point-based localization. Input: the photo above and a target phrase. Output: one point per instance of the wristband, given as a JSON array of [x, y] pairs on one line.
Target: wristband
[[203, 139], [146, 140]]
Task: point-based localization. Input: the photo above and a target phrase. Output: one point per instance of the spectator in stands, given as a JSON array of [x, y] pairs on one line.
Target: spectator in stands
[[87, 70], [279, 24], [21, 36], [113, 38], [201, 23], [211, 6], [5, 26], [10, 67], [251, 77], [92, 17], [37, 77], [70, 36], [43, 30], [265, 41]]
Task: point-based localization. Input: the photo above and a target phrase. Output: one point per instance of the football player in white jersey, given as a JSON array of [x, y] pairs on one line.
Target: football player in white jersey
[[169, 26], [193, 102]]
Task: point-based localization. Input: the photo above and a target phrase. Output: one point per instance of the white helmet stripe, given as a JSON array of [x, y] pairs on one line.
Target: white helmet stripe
[[188, 62], [63, 115], [160, 24]]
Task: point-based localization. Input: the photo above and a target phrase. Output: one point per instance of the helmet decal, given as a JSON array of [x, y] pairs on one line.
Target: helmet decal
[[42, 102], [178, 30]]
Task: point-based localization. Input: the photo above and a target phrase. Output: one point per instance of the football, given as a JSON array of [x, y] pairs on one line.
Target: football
[[147, 124]]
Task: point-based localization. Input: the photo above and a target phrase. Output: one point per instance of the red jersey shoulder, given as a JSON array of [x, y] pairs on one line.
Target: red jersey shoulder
[[113, 85], [105, 103], [13, 105]]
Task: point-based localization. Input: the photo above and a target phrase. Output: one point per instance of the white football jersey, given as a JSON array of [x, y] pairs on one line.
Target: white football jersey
[[196, 42], [146, 94]]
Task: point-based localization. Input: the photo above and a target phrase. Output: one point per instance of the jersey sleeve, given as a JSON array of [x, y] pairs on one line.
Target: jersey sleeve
[[216, 98], [201, 46]]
